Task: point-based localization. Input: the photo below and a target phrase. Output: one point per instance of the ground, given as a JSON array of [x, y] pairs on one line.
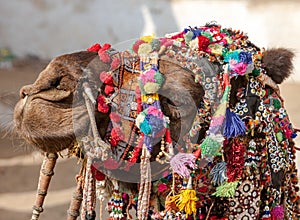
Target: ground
[[20, 164]]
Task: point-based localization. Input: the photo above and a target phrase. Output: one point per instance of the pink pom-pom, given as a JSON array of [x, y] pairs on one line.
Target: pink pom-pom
[[115, 64], [104, 56]]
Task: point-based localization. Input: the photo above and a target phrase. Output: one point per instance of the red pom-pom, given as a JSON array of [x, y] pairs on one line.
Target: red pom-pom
[[116, 136], [94, 48], [106, 46], [115, 117], [96, 173], [102, 106], [104, 56], [110, 164], [135, 47], [115, 64], [106, 78], [109, 89], [203, 43]]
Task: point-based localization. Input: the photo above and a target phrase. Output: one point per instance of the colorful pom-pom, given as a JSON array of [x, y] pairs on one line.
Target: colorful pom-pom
[[109, 89], [116, 135], [106, 78], [115, 117], [94, 48], [104, 57], [102, 105], [115, 64]]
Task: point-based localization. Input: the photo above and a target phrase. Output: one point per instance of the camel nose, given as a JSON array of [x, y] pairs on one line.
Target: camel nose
[[25, 91]]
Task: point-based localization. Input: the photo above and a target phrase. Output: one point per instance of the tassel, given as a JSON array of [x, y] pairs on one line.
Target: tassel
[[181, 162], [226, 190], [218, 173], [277, 213], [210, 146], [186, 200], [234, 126]]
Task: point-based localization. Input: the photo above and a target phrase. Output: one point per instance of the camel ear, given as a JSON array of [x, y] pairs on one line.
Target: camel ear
[[278, 63]]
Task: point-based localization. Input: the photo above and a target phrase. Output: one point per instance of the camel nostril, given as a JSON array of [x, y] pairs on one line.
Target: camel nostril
[[25, 91]]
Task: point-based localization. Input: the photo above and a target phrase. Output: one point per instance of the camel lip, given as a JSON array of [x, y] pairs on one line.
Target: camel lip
[[51, 95]]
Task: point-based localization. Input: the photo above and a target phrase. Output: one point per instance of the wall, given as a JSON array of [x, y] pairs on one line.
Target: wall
[[48, 28]]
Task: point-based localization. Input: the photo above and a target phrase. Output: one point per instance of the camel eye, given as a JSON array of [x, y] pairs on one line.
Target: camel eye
[[56, 82]]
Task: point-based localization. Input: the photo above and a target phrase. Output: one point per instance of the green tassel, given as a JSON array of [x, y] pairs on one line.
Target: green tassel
[[226, 190], [210, 147]]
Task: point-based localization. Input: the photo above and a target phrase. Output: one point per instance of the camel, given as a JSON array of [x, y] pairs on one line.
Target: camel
[[190, 167]]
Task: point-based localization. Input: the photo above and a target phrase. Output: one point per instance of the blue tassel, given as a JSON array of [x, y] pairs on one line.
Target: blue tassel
[[234, 126], [218, 174]]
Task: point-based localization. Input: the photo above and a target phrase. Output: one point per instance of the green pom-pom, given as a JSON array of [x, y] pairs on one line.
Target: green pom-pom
[[159, 79], [226, 189], [210, 147], [276, 103], [151, 88]]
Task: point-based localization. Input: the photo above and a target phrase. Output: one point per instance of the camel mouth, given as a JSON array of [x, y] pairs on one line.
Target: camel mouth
[[44, 118]]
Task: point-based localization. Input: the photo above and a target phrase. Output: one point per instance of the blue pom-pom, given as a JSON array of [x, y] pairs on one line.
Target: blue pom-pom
[[145, 127], [234, 126]]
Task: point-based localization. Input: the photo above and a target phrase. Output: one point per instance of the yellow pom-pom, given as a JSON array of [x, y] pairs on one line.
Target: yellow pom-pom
[[147, 38]]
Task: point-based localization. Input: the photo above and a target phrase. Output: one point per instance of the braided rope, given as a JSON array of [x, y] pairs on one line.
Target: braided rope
[[46, 173], [145, 185]]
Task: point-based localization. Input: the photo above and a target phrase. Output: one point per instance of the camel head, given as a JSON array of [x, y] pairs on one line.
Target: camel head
[[48, 108], [43, 116]]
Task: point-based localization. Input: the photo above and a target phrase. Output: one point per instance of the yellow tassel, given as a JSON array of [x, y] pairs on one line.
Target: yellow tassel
[[186, 201]]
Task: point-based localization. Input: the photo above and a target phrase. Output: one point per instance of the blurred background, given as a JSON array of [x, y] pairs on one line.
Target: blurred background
[[32, 32]]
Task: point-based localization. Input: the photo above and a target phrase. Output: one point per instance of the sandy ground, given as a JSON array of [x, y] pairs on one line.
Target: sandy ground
[[19, 164]]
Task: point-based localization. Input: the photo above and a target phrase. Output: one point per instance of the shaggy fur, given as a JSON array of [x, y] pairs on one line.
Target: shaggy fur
[[278, 63]]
